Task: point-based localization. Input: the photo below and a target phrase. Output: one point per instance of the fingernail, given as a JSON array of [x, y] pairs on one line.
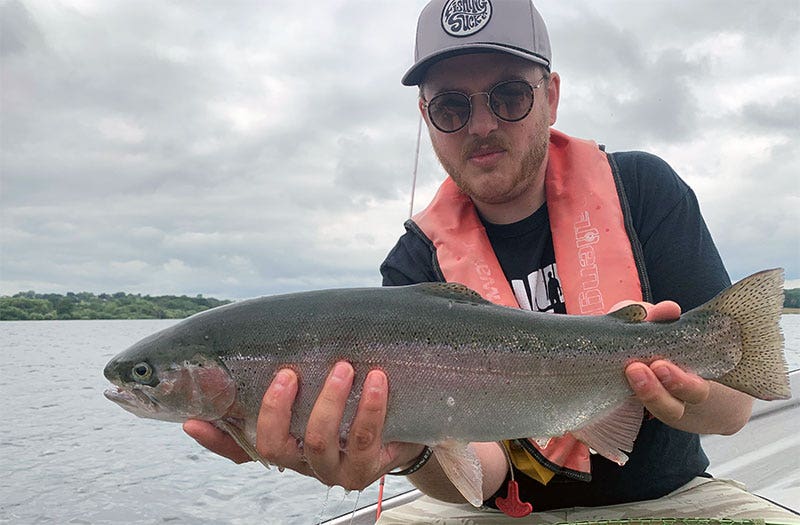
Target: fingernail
[[638, 377], [341, 372], [281, 381], [663, 375], [375, 382]]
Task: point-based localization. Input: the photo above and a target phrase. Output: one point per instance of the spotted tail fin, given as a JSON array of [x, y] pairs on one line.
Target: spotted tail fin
[[756, 304]]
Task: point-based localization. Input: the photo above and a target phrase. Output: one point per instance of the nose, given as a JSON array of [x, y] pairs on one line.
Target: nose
[[481, 120]]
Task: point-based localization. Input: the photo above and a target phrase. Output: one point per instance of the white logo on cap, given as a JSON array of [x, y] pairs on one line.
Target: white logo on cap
[[465, 17]]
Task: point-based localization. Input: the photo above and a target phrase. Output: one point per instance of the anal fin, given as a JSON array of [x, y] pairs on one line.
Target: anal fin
[[613, 434], [459, 462]]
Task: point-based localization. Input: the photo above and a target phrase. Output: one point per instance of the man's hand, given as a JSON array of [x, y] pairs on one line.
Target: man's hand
[[662, 387], [681, 399], [365, 458], [666, 390]]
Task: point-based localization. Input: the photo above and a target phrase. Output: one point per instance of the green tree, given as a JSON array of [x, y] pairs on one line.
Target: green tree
[[792, 298], [64, 308]]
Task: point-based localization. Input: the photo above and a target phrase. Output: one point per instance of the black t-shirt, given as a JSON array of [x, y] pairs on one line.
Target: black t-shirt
[[532, 272], [682, 264]]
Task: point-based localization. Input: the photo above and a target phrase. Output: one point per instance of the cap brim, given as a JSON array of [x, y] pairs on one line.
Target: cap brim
[[414, 76]]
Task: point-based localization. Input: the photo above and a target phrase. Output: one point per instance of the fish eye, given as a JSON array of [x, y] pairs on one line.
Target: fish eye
[[142, 372]]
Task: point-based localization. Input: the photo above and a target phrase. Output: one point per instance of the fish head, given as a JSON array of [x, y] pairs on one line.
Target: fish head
[[170, 377]]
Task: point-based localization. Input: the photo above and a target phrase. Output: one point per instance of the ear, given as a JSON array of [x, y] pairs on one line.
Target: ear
[[553, 92], [422, 110]]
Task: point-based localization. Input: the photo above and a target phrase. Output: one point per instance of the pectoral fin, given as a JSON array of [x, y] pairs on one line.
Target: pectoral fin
[[613, 434], [459, 462], [238, 435]]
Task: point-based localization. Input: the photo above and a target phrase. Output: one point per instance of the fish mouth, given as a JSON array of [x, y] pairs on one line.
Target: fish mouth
[[133, 400]]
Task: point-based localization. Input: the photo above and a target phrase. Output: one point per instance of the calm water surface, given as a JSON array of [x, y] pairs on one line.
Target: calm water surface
[[68, 455]]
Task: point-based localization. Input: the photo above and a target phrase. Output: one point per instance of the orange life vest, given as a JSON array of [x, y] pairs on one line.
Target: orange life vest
[[596, 265]]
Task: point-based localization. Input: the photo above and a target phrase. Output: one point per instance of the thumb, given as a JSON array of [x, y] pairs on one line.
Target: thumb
[[663, 311]]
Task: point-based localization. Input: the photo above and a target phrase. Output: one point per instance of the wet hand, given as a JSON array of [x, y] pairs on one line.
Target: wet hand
[[665, 389], [364, 458]]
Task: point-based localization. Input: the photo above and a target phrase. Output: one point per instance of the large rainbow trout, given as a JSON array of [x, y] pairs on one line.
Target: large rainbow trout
[[460, 369]]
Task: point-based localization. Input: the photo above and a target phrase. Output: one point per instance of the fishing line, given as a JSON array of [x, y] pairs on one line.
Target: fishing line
[[416, 166]]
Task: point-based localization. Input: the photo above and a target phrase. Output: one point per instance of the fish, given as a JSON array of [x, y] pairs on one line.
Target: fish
[[460, 368]]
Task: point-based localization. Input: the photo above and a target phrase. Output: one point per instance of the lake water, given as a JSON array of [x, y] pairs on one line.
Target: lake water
[[68, 455]]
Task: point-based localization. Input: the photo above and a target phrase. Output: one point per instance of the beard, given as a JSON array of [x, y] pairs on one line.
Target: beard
[[520, 179]]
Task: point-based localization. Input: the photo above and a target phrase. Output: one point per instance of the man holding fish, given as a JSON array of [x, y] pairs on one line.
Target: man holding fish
[[525, 204]]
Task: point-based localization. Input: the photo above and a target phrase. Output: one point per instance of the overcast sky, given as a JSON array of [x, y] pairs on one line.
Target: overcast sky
[[238, 149]]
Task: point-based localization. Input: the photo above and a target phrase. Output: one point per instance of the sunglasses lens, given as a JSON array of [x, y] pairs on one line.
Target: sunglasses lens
[[449, 111], [511, 101]]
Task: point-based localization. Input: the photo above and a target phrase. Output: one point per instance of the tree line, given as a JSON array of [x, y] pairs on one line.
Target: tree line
[[31, 306]]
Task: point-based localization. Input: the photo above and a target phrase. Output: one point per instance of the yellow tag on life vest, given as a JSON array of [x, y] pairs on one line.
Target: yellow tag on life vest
[[525, 463]]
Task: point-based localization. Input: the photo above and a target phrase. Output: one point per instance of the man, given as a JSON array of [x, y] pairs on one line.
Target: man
[[489, 98]]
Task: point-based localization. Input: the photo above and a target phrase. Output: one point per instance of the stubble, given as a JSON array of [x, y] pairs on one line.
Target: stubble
[[522, 179]]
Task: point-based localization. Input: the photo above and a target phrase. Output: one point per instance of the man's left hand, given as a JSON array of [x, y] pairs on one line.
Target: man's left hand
[[663, 388]]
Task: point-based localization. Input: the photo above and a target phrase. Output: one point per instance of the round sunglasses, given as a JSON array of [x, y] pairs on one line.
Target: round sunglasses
[[510, 101]]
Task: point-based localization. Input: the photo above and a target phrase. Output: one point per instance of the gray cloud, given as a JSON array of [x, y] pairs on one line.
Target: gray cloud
[[246, 148], [782, 115], [18, 30]]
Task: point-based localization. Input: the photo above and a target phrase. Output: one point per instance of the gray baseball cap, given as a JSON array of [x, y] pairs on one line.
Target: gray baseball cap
[[448, 28]]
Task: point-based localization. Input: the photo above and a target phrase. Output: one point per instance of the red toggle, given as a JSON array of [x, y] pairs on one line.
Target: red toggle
[[511, 505]]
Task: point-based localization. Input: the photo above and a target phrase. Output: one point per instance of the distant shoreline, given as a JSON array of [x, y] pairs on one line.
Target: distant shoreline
[[85, 306]]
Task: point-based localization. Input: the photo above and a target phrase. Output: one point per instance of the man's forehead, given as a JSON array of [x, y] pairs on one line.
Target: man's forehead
[[463, 71]]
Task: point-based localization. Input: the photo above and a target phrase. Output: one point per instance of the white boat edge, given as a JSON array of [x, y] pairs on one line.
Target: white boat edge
[[756, 455]]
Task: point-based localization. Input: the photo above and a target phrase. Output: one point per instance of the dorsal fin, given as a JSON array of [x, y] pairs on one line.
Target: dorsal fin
[[633, 313], [453, 291]]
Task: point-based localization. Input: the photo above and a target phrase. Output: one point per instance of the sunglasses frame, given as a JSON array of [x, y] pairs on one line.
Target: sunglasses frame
[[427, 104]]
